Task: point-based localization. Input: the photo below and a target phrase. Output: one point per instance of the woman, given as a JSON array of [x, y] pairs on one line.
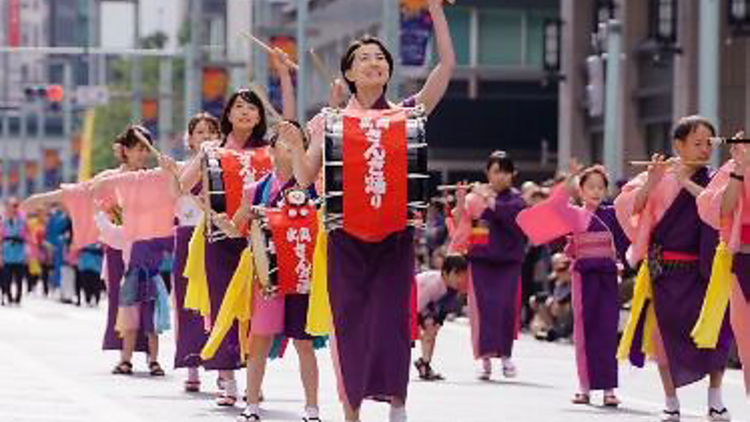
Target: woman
[[375, 363], [243, 124], [190, 335], [80, 204]]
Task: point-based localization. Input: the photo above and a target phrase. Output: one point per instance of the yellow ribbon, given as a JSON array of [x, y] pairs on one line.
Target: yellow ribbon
[[197, 297], [319, 311], [707, 328], [641, 294]]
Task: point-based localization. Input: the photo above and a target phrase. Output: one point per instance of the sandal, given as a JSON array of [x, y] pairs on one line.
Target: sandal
[[611, 400], [248, 416], [123, 368], [311, 419], [581, 398], [225, 400], [192, 386], [155, 369]]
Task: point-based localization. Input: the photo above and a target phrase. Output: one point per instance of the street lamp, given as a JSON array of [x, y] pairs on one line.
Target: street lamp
[[665, 27], [738, 16], [552, 41]]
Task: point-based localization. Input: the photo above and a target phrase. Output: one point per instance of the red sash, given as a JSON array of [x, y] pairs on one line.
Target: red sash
[[240, 168], [294, 236], [375, 173]]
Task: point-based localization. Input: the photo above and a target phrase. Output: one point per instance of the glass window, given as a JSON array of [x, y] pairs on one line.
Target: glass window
[[459, 19], [500, 37]]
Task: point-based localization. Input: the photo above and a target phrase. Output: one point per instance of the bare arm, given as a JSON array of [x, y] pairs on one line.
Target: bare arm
[[280, 62], [437, 83], [40, 200]]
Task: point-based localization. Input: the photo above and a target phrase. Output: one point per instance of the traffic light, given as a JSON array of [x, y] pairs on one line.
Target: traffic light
[[50, 95], [54, 93]]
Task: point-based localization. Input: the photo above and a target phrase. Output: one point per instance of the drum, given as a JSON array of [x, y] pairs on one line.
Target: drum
[[333, 165], [264, 256], [226, 175], [283, 241]]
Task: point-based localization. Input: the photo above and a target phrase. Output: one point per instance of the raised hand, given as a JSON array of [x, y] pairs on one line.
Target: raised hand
[[659, 167], [290, 135], [339, 92], [280, 61]]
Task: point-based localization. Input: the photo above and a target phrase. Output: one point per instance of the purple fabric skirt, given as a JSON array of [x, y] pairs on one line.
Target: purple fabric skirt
[[222, 258], [678, 298], [115, 271], [369, 289], [495, 314], [596, 308], [190, 334]]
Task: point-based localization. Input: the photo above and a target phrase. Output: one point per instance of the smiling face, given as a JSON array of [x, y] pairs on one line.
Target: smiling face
[[369, 67], [204, 131], [243, 115], [593, 190]]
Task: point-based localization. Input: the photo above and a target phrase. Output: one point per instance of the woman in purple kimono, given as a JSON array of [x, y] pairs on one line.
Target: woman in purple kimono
[[658, 212], [497, 247], [596, 244], [370, 282]]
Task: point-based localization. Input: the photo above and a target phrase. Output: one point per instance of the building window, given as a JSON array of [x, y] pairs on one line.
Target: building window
[[657, 138], [459, 19], [501, 37]]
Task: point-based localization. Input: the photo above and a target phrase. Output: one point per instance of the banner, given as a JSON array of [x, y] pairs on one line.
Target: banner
[[2, 176], [87, 145], [13, 177], [75, 153], [416, 31], [150, 116], [32, 172], [289, 46], [215, 84], [52, 165], [13, 36]]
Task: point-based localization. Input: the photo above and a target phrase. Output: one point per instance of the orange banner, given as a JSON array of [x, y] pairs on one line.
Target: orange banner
[[375, 174], [294, 236]]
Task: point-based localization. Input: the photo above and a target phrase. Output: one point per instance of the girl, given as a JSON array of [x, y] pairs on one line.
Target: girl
[[596, 243]]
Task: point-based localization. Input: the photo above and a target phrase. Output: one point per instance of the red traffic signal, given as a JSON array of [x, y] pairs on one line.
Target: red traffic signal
[[54, 93]]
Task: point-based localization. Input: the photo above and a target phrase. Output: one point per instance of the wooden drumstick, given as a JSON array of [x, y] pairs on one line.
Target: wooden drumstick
[[320, 66], [266, 47], [443, 188]]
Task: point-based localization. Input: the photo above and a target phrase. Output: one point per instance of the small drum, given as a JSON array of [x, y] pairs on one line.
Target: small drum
[[285, 234], [333, 165], [226, 174], [264, 257]]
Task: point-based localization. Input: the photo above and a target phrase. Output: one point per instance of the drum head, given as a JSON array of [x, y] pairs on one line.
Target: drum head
[[258, 241]]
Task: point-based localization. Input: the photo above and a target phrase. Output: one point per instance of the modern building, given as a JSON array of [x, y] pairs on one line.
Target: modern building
[[663, 73], [501, 97]]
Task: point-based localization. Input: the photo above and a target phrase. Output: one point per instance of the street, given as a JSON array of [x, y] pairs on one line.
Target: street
[[52, 369]]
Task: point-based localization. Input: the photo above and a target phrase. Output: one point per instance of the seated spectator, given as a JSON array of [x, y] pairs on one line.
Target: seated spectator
[[553, 316]]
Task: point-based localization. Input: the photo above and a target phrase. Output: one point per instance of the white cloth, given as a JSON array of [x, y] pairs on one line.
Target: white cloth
[[430, 288], [188, 213]]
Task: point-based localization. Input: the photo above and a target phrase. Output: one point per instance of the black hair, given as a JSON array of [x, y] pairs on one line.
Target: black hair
[[348, 58], [688, 125], [128, 138], [259, 131], [305, 138], [454, 264], [503, 161], [203, 117], [596, 169]]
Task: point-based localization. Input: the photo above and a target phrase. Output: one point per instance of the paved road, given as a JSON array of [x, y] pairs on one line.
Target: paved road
[[52, 369]]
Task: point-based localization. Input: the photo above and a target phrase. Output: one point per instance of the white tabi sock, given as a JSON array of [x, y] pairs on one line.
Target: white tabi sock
[[672, 404], [193, 374], [397, 414], [714, 399], [311, 412]]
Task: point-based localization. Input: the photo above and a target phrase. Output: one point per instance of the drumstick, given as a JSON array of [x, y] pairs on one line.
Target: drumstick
[[320, 66], [443, 188], [266, 47], [267, 104], [648, 163]]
